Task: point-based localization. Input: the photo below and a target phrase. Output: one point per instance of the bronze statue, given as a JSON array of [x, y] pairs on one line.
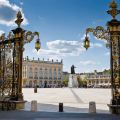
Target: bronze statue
[[72, 69]]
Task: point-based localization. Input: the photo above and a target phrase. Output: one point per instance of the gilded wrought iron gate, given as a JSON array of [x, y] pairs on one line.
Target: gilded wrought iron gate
[[9, 64]]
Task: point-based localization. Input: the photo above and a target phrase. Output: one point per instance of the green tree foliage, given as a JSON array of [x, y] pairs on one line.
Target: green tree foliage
[[66, 80], [80, 82]]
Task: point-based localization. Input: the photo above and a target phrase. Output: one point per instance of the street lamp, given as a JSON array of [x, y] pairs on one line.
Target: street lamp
[[112, 35], [14, 42]]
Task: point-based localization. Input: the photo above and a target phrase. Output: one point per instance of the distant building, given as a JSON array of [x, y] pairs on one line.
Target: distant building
[[48, 72], [99, 79]]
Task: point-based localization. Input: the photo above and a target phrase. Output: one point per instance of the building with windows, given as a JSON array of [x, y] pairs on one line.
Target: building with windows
[[48, 72], [98, 80]]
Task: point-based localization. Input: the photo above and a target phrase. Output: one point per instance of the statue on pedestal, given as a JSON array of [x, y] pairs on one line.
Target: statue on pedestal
[[72, 69]]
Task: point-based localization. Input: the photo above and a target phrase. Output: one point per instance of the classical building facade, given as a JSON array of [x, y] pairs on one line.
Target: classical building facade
[[98, 80], [48, 72]]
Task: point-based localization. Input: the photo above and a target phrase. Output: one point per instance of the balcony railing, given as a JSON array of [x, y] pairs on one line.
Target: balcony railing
[[31, 77], [40, 77], [45, 77], [50, 77], [59, 78]]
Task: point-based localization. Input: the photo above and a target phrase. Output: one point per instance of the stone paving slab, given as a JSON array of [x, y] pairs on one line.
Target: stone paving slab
[[75, 100]]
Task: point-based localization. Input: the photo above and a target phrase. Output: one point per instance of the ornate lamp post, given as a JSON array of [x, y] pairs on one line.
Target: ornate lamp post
[[35, 89], [15, 42], [112, 35]]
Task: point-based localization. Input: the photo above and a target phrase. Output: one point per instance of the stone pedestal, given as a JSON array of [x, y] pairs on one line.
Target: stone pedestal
[[19, 104], [113, 109], [73, 80], [34, 105], [92, 107]]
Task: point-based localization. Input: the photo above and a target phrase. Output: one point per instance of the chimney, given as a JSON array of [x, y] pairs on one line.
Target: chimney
[[27, 57], [38, 59]]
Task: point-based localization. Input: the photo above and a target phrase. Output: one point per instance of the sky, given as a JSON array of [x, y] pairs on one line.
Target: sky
[[62, 26]]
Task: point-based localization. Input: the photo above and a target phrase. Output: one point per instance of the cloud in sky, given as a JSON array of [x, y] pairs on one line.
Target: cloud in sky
[[1, 32], [83, 38], [108, 53], [88, 62], [8, 13], [21, 3], [64, 48], [97, 21]]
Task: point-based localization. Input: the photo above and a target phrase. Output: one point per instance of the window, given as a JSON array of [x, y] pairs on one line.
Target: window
[[54, 69], [89, 81], [97, 81], [59, 82], [50, 68], [40, 68], [45, 68], [50, 75], [45, 75], [106, 81], [59, 76], [50, 82], [54, 75], [35, 74], [25, 66], [54, 82], [30, 67], [30, 83], [40, 74], [59, 69], [40, 83], [23, 74], [30, 74], [101, 81]]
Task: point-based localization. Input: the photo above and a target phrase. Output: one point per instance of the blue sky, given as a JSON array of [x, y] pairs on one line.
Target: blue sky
[[62, 25]]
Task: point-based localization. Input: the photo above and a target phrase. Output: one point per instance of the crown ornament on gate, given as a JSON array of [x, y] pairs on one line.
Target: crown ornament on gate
[[113, 12], [19, 20]]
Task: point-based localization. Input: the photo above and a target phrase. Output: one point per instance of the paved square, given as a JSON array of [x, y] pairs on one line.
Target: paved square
[[74, 100]]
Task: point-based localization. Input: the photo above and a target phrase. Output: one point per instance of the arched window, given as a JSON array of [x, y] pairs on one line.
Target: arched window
[[30, 74], [59, 76], [50, 75], [45, 75], [40, 74], [54, 75]]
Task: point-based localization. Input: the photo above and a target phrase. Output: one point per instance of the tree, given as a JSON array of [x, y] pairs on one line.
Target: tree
[[66, 80], [85, 80], [79, 79]]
